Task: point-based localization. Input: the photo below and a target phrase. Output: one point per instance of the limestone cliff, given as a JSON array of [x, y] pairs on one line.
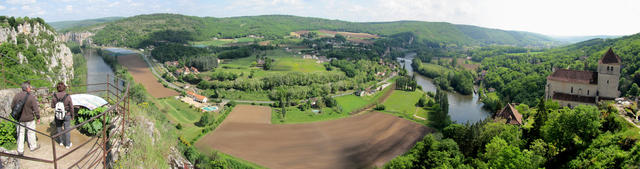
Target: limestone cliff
[[36, 46], [79, 37]]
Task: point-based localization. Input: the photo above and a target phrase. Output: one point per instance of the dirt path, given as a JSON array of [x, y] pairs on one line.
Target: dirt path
[[46, 152], [359, 141], [142, 74]]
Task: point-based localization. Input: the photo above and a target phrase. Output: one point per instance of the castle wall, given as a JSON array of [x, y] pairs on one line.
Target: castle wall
[[565, 87]]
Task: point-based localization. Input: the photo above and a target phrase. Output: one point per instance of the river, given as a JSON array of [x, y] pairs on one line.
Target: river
[[462, 108], [97, 70]]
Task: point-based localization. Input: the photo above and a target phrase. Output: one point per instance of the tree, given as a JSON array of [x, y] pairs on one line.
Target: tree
[[634, 90], [499, 154], [572, 128], [268, 63]]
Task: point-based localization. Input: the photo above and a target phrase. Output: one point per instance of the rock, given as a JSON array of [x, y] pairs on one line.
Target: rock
[[79, 37], [6, 96], [9, 162], [177, 161]]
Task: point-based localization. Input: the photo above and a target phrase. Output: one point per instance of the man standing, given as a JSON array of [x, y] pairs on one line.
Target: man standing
[[65, 121], [30, 112]]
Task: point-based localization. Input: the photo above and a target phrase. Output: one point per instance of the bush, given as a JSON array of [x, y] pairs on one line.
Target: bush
[[379, 107], [7, 134], [179, 126], [91, 128]]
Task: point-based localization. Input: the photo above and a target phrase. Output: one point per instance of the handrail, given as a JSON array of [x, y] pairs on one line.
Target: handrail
[[113, 107]]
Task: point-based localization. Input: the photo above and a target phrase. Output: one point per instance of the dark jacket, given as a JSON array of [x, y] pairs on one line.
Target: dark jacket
[[30, 111], [68, 105]]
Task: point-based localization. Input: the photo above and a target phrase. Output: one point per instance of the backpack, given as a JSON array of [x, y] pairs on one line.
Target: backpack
[[60, 111], [16, 112]]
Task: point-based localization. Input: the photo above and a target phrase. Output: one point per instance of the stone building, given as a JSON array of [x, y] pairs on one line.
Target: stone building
[[574, 87]]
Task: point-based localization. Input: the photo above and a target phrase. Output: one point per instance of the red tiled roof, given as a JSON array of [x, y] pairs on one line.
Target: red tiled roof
[[197, 96], [574, 98], [610, 58], [575, 76], [510, 114]]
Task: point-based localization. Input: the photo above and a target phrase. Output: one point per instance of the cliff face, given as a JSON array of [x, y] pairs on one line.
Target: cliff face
[[57, 57], [79, 37]]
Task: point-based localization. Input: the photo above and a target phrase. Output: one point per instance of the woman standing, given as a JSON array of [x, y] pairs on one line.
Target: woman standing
[[62, 100]]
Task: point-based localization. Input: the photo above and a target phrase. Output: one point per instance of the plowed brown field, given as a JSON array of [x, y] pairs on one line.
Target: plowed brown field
[[360, 141], [142, 74]]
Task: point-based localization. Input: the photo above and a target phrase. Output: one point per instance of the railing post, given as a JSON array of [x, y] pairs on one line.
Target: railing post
[[107, 88], [104, 140], [55, 160]]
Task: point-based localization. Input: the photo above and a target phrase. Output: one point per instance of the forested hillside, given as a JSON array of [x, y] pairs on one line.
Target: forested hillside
[[139, 30], [519, 76], [63, 26]]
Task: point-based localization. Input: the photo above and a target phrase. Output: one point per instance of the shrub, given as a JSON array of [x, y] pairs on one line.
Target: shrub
[[179, 126], [379, 107], [94, 127], [7, 134]]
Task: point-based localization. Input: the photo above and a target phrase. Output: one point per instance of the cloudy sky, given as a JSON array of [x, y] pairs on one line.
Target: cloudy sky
[[551, 17]]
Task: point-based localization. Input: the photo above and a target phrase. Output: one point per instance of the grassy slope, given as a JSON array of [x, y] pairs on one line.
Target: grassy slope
[[402, 103], [180, 113], [277, 26]]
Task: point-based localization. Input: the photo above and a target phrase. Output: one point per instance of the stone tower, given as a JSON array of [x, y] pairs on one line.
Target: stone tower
[[608, 76]]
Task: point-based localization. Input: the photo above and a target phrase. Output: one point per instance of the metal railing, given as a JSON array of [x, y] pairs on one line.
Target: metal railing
[[114, 92]]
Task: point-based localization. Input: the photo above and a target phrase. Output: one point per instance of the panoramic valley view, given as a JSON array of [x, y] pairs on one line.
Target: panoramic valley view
[[307, 84]]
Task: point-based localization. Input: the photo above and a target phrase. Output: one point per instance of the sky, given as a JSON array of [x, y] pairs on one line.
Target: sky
[[549, 17]]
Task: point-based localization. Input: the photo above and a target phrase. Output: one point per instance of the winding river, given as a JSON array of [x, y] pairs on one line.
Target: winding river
[[462, 108], [97, 71]]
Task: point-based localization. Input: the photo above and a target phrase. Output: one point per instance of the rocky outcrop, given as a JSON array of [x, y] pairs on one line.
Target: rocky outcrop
[[79, 37], [58, 57], [9, 162], [177, 161]]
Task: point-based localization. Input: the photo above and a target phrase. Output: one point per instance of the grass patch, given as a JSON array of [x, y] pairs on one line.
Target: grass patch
[[295, 115], [352, 102], [297, 64], [403, 104], [181, 113]]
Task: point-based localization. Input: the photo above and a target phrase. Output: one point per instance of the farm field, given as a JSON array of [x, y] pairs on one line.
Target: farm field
[[360, 141], [350, 103], [142, 74]]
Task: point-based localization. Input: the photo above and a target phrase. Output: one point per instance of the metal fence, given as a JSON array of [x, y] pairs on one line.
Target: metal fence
[[115, 91]]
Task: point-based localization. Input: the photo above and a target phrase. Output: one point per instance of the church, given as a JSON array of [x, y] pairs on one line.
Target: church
[[573, 87]]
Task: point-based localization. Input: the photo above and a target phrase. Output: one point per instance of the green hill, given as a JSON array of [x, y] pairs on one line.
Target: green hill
[[62, 26], [134, 31]]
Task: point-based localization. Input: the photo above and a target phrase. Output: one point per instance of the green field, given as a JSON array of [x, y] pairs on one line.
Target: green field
[[295, 115], [180, 113], [402, 103], [297, 64], [352, 102]]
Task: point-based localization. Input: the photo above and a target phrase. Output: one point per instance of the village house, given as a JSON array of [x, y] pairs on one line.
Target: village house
[[186, 70], [574, 87], [510, 114], [168, 63], [197, 97]]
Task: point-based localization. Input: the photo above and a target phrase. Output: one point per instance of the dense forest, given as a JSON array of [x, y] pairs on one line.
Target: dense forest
[[133, 31], [554, 137]]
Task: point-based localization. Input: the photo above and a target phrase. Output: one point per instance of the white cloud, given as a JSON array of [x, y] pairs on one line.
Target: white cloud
[[20, 2], [69, 8], [2, 7], [114, 4]]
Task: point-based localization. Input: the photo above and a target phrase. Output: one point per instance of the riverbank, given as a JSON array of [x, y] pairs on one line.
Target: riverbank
[[462, 108]]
